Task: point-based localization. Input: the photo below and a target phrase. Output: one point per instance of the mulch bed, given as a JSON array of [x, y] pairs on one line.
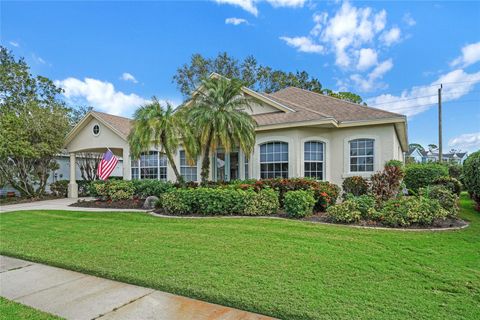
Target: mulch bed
[[121, 204], [17, 200]]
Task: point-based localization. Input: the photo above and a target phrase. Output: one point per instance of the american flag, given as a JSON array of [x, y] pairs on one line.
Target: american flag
[[106, 165]]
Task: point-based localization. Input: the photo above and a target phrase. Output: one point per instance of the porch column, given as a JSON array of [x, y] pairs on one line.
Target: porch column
[[127, 171], [72, 186]]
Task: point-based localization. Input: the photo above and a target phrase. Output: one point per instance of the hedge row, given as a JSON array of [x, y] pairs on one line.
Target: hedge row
[[219, 201]]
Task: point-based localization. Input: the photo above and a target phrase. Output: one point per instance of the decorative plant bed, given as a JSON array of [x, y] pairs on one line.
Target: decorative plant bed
[[437, 224], [109, 204]]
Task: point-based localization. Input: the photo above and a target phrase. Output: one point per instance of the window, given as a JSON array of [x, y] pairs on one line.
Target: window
[[313, 159], [96, 130], [361, 155], [274, 160], [151, 165], [189, 173]]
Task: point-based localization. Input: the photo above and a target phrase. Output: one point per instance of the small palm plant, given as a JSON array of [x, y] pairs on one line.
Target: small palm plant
[[218, 115], [161, 127]]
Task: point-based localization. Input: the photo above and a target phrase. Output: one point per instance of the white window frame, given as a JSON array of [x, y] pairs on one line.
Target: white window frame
[[373, 156], [184, 167], [304, 160], [267, 162]]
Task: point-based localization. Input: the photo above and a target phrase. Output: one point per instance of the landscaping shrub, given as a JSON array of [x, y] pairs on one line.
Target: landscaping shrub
[[299, 204], [59, 188], [449, 183], [120, 190], [151, 187], [264, 202], [420, 175], [325, 194], [386, 184], [404, 211], [447, 199], [219, 201], [364, 203], [112, 189], [178, 201], [355, 185], [455, 171], [394, 163], [471, 176], [345, 212]]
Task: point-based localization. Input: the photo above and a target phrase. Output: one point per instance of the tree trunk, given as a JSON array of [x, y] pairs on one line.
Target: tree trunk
[[206, 160], [174, 165]]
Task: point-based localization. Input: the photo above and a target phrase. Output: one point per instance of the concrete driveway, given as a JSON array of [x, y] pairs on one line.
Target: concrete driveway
[[57, 204]]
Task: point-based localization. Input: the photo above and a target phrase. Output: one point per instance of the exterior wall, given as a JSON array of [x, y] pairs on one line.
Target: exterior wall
[[260, 107], [86, 139], [386, 147]]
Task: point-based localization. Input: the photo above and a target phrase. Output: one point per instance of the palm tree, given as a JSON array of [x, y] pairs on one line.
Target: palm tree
[[162, 128], [218, 115]]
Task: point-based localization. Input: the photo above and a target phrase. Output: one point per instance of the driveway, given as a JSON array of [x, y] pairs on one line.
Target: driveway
[[57, 204]]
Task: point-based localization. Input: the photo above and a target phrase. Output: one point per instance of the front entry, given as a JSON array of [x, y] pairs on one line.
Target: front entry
[[226, 166]]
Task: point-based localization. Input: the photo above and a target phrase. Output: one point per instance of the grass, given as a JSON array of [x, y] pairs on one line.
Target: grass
[[12, 310], [287, 269]]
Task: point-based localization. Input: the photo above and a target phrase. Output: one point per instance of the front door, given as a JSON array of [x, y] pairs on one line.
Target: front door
[[226, 166]]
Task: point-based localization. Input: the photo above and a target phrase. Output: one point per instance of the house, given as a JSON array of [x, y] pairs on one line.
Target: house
[[299, 134], [421, 156]]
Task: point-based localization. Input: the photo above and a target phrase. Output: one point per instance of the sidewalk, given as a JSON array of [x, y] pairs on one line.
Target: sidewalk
[[74, 295], [57, 204]]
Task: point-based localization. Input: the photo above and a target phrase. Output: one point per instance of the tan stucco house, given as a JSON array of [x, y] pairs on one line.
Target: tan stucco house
[[299, 134]]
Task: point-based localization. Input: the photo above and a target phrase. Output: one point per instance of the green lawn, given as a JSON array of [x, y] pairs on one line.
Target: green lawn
[[11, 310], [287, 269]]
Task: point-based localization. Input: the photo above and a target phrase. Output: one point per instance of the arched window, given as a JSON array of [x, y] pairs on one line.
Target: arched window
[[361, 155], [314, 153], [274, 160]]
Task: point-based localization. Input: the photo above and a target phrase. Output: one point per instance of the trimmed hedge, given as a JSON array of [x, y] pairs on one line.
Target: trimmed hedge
[[420, 175], [151, 187], [345, 212], [471, 176], [299, 204], [219, 201]]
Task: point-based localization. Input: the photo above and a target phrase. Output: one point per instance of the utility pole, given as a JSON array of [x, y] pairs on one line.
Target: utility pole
[[440, 154]]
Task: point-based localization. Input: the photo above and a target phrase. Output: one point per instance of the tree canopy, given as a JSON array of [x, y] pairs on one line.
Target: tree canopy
[[253, 75], [33, 124]]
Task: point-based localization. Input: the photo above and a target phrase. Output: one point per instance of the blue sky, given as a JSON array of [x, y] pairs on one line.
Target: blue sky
[[115, 55]]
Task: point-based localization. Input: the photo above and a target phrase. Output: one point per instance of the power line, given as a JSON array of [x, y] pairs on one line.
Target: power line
[[421, 97]]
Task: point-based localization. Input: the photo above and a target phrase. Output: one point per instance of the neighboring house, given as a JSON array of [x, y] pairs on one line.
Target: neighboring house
[[421, 156], [299, 134]]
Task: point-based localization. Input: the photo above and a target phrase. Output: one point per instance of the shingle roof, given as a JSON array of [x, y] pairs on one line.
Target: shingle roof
[[121, 124], [320, 106]]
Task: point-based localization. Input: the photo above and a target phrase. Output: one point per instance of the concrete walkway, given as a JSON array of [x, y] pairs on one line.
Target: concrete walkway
[[74, 295], [57, 204]]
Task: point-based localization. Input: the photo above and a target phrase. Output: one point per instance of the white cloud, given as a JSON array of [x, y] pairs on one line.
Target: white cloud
[[128, 77], [287, 3], [38, 59], [247, 5], [371, 80], [367, 58], [235, 21], [470, 55], [251, 5], [391, 36], [466, 142], [101, 95], [408, 19], [303, 44], [14, 43], [421, 98]]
